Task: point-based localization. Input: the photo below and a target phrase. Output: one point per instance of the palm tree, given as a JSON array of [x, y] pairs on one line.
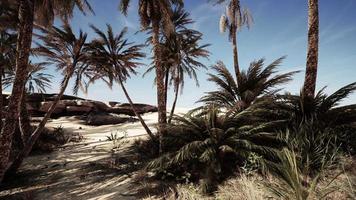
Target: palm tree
[[8, 13], [211, 139], [7, 58], [29, 11], [180, 54], [322, 116], [37, 81], [64, 49], [187, 63], [323, 111], [116, 58], [234, 19], [156, 13], [313, 48], [253, 83]]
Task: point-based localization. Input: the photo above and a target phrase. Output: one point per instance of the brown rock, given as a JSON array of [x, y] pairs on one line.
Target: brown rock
[[46, 105], [69, 102], [100, 106], [85, 103], [78, 109]]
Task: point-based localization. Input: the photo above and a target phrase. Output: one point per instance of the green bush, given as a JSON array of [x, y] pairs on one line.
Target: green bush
[[209, 144]]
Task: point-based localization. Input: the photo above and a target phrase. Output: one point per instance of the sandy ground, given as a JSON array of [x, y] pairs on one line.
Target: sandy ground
[[74, 171]]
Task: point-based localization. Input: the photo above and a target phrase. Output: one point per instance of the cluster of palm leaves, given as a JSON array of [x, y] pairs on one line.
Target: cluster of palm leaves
[[212, 142], [256, 81], [322, 112]]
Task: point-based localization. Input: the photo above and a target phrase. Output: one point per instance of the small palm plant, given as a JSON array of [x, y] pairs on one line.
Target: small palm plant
[[117, 140], [323, 111], [208, 138], [253, 83], [323, 108]]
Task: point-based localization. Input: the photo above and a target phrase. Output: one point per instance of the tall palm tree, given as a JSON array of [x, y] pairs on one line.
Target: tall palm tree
[[180, 54], [234, 19], [313, 48], [116, 58], [66, 51], [29, 11], [156, 12], [253, 83]]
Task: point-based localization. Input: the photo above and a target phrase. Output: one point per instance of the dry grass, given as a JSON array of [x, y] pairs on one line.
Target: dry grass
[[244, 188], [254, 187]]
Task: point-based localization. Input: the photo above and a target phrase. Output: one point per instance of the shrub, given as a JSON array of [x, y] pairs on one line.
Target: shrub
[[209, 144]]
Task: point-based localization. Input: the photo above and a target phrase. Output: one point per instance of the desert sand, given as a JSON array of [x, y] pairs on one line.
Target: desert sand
[[75, 171]]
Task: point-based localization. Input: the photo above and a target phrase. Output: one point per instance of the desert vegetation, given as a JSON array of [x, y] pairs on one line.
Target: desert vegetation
[[247, 138]]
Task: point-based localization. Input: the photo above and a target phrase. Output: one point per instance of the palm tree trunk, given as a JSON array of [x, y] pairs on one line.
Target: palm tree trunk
[[1, 99], [313, 48], [236, 57], [24, 119], [24, 40], [135, 111], [234, 41], [174, 103], [166, 85], [162, 117], [34, 136]]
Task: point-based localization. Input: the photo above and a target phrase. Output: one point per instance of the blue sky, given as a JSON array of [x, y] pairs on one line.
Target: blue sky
[[280, 28]]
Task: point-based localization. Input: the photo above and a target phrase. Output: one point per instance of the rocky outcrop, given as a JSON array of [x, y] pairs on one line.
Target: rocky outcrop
[[44, 106], [78, 109], [38, 104], [126, 109]]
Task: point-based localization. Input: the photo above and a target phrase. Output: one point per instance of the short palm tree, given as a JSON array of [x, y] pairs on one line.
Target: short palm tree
[[323, 111], [116, 59], [180, 54], [156, 13], [37, 81], [253, 83], [64, 49], [233, 20], [208, 138], [29, 12]]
